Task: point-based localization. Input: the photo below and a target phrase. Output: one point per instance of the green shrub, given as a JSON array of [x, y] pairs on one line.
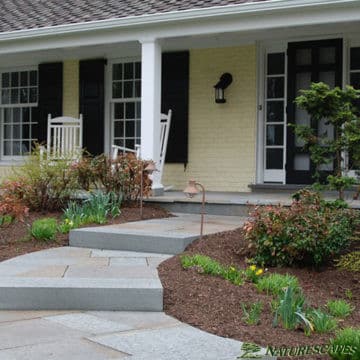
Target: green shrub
[[308, 232], [96, 209], [350, 262], [275, 284], [350, 339], [322, 322], [252, 312], [44, 229], [339, 308], [291, 311], [42, 186], [206, 265]]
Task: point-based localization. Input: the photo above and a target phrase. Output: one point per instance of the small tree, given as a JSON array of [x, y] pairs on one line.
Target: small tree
[[337, 107]]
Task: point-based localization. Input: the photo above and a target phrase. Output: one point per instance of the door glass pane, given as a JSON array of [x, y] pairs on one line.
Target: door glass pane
[[303, 81], [275, 87], [325, 129], [303, 57], [274, 159], [275, 111], [274, 135], [327, 167], [355, 80], [355, 58], [328, 77], [276, 64], [302, 162], [327, 55], [301, 118]]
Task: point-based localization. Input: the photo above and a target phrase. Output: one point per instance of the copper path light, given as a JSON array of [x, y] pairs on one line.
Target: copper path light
[[191, 190]]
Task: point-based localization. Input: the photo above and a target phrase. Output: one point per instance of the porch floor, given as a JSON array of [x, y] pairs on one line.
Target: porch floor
[[282, 197]]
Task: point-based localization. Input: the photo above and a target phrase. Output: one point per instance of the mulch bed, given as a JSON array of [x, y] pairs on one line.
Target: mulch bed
[[15, 239], [213, 304]]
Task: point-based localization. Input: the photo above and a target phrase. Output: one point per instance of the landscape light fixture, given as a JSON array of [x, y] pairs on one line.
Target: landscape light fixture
[[191, 190], [225, 80]]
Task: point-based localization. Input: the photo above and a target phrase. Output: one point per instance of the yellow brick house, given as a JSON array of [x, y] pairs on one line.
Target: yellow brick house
[[120, 64]]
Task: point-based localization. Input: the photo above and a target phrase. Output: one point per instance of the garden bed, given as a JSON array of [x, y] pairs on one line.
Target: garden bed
[[213, 304], [15, 239]]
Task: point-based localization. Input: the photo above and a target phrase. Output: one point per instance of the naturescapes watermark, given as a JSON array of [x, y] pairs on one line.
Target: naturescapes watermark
[[252, 351]]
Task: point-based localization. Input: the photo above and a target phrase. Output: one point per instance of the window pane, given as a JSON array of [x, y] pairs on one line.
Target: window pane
[[303, 57], [119, 128], [7, 115], [138, 109], [138, 70], [274, 135], [128, 71], [355, 80], [7, 148], [24, 95], [302, 162], [7, 131], [14, 79], [137, 88], [128, 89], [130, 144], [119, 142], [117, 90], [327, 55], [276, 64], [33, 95], [26, 132], [14, 96], [130, 111], [25, 147], [16, 132], [16, 148], [275, 111], [25, 115], [5, 82], [275, 88], [16, 115], [117, 72], [33, 78], [138, 128], [119, 111], [24, 78], [130, 129], [274, 159], [5, 97], [355, 58]]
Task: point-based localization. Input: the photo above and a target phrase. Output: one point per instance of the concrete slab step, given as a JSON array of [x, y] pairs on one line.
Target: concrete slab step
[[70, 278], [80, 294], [165, 236]]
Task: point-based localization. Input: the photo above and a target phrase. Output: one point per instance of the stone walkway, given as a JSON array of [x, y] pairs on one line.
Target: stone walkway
[[78, 280], [107, 335]]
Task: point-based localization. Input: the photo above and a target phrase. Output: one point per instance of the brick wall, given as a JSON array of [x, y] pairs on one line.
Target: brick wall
[[221, 136]]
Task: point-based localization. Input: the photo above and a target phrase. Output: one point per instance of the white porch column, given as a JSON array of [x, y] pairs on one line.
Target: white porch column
[[151, 106]]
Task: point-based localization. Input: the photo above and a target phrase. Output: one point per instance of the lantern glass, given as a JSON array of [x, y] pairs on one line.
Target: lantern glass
[[219, 96]]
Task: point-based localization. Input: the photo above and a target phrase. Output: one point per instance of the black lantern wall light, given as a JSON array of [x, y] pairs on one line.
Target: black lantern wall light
[[225, 80]]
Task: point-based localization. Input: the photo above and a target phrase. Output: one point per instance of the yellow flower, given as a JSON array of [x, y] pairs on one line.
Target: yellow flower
[[259, 272], [232, 268], [252, 267]]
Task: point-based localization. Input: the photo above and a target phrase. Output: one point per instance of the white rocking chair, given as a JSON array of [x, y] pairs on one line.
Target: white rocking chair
[[165, 121], [64, 138]]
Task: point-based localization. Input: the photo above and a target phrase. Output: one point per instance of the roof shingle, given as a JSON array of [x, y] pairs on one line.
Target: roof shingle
[[30, 14]]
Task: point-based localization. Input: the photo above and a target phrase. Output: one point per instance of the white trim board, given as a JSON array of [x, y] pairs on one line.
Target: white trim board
[[233, 18]]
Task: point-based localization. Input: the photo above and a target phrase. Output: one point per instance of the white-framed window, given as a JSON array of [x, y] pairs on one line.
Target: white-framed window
[[19, 96], [275, 117], [126, 103]]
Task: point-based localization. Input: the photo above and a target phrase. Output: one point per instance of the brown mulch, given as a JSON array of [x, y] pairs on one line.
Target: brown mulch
[[213, 304], [15, 239]]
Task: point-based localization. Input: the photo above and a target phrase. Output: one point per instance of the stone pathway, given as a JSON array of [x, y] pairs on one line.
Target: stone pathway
[[41, 335]]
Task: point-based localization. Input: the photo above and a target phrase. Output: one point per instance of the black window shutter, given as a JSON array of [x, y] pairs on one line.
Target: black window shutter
[[92, 77], [49, 99], [175, 96]]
